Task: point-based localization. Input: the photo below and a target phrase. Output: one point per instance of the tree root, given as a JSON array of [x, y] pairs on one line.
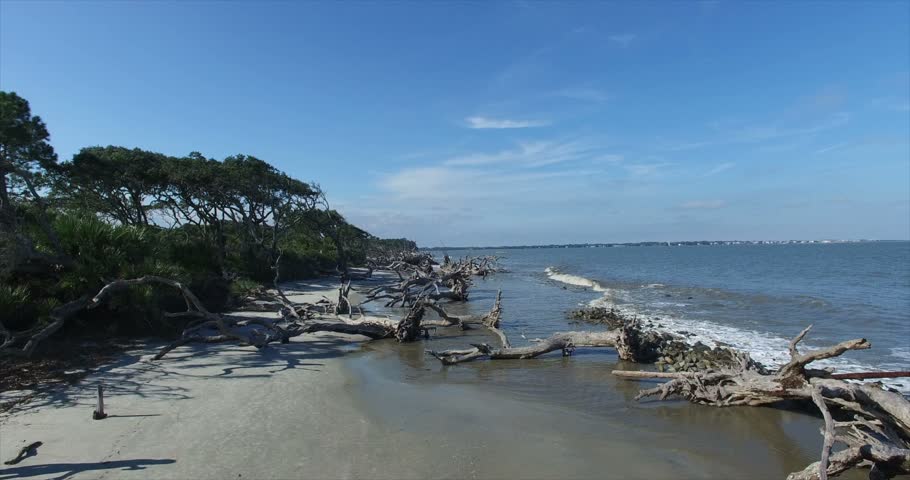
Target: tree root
[[879, 432]]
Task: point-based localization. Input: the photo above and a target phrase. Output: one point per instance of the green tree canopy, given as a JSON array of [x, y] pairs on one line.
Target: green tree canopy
[[25, 158], [25, 154], [116, 182]]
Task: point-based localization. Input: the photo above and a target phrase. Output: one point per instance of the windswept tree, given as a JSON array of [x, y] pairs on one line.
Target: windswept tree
[[242, 199], [116, 182], [350, 242], [26, 157], [266, 201]]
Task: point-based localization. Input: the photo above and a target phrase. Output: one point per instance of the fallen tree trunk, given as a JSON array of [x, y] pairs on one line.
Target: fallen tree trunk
[[226, 326], [640, 375], [449, 282], [630, 343], [879, 432], [370, 330], [417, 292], [563, 341]]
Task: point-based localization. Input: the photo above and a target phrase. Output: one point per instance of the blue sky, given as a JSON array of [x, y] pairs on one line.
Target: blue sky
[[505, 123]]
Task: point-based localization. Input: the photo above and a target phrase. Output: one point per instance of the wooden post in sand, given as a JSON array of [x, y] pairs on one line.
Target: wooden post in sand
[[99, 414]]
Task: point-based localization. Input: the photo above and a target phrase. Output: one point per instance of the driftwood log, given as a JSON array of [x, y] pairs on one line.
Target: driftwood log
[[626, 340], [872, 422], [450, 281], [425, 286]]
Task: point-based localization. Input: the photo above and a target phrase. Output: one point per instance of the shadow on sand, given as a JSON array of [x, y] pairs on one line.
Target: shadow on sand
[[66, 470], [135, 374]]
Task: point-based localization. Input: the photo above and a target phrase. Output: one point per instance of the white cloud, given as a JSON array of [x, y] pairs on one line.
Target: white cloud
[[624, 39], [703, 204], [446, 185], [831, 147], [529, 154], [495, 123], [428, 182], [767, 133], [519, 174], [720, 168]]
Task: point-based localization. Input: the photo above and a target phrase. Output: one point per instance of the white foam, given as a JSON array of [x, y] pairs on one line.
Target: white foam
[[568, 279], [902, 353], [771, 350]]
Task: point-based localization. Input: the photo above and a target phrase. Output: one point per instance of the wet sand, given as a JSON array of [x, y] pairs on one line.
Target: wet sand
[[329, 406], [570, 418]]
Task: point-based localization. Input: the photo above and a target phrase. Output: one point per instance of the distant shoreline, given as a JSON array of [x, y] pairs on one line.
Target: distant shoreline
[[693, 243]]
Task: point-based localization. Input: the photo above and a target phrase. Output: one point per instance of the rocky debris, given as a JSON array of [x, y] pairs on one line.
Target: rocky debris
[[598, 315], [676, 356], [667, 350]]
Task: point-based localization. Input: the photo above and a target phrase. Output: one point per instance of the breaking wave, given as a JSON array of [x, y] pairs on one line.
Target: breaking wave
[[767, 348], [568, 279]]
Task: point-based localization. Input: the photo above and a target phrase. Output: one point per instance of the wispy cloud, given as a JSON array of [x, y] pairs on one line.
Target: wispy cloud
[[757, 134], [584, 94], [523, 67], [448, 184], [530, 154], [720, 168], [831, 147], [624, 39], [607, 158], [690, 146], [828, 99], [517, 174], [891, 103], [762, 133], [645, 169], [703, 204], [479, 122]]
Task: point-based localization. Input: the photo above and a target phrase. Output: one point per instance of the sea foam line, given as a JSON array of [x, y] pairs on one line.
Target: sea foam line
[[568, 279], [769, 349]]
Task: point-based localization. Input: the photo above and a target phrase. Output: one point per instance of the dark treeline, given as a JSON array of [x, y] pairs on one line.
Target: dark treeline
[[221, 227]]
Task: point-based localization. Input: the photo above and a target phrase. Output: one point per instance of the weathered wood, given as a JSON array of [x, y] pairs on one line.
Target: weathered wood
[[880, 433], [99, 414], [891, 460], [409, 328], [370, 330], [191, 339], [58, 316], [797, 363], [828, 432], [564, 341]]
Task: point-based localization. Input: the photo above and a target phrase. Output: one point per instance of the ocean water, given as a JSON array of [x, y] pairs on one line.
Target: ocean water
[[753, 297]]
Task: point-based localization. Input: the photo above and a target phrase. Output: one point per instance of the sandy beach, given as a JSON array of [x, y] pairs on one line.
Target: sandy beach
[[332, 406]]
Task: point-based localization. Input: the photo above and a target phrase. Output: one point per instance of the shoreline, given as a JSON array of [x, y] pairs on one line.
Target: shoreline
[[765, 347], [334, 406]]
